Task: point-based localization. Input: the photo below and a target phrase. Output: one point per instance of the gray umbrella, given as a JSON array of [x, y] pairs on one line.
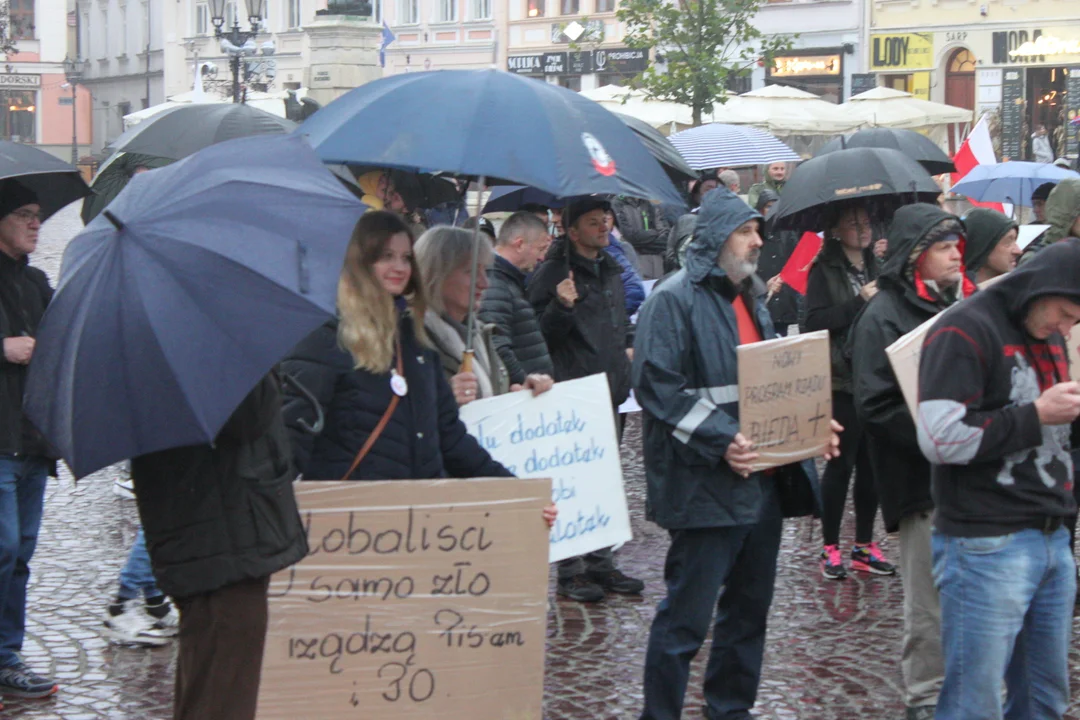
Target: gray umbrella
[[184, 130]]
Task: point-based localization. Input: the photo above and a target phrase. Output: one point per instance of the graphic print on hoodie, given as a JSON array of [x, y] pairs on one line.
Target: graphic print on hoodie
[[996, 468]]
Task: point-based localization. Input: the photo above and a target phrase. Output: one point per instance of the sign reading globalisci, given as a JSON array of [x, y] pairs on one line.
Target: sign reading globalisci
[[1048, 45]]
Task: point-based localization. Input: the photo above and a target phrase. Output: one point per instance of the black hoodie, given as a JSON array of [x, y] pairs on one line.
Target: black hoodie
[[997, 469], [903, 302], [985, 228]]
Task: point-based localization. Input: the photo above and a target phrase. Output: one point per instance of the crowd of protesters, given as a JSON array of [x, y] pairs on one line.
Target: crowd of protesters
[[978, 486]]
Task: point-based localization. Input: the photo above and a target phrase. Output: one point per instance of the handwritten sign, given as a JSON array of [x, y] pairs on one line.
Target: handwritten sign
[[785, 398], [904, 357], [418, 599], [567, 434], [1072, 345]]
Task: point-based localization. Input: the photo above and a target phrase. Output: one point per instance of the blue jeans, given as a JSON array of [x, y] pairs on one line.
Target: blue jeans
[[730, 570], [1001, 595], [136, 577], [22, 496]]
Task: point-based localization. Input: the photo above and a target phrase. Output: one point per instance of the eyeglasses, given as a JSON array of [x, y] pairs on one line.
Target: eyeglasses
[[28, 216]]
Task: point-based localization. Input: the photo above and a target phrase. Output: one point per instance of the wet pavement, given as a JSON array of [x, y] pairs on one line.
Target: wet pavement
[[832, 648]]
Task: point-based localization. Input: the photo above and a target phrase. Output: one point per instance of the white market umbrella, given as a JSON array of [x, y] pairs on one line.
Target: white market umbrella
[[784, 110], [635, 103], [886, 107], [718, 145]]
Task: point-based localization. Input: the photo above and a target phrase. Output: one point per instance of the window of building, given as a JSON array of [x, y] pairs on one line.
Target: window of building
[[570, 7], [605, 6], [295, 18], [84, 35], [962, 61], [103, 13], [447, 10], [570, 82], [230, 15], [534, 8], [202, 19], [481, 9], [18, 116], [122, 49], [376, 10], [408, 12], [21, 19]]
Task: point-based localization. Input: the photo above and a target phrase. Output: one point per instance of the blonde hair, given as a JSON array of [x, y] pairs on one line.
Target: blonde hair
[[442, 250], [368, 323]]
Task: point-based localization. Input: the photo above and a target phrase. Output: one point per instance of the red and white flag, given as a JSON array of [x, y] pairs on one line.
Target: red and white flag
[[977, 149]]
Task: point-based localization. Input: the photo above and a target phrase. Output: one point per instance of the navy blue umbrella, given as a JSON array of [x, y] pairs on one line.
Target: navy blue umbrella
[[491, 124], [511, 198], [178, 298]]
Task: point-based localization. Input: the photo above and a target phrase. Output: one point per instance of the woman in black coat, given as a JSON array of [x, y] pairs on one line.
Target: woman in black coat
[[374, 361], [841, 281]]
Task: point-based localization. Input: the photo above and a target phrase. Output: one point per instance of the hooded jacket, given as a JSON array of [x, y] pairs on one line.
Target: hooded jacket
[[903, 302], [517, 337], [685, 377], [754, 194], [985, 228], [1062, 209], [593, 335], [997, 469], [640, 224]]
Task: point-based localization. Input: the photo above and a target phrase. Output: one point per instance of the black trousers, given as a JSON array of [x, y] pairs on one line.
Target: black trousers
[[837, 478]]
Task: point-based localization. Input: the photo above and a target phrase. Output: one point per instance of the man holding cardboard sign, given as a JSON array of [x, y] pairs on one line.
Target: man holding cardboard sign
[[724, 518]]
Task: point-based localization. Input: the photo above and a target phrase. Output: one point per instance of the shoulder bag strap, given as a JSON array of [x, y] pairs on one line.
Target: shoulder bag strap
[[382, 421]]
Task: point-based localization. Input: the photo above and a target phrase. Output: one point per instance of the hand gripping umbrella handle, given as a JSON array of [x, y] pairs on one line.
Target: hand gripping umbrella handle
[[466, 362], [320, 417]]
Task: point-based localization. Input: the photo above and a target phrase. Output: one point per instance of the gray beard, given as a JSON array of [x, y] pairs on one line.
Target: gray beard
[[736, 269]]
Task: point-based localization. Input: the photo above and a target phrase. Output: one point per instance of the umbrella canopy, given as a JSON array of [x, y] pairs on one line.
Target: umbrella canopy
[[915, 145], [503, 127], [511, 198], [178, 298], [783, 110], [1010, 182], [55, 182], [661, 148], [186, 129], [112, 178], [886, 107], [870, 174], [718, 145]]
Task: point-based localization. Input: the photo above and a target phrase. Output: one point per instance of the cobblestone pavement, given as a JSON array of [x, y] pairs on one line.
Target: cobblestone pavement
[[832, 648]]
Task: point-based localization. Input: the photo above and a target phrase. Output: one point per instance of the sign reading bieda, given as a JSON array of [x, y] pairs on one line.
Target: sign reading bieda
[[567, 434], [785, 398], [418, 599]]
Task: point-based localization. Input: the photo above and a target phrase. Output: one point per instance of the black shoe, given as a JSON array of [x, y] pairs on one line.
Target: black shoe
[[922, 712], [579, 588], [614, 581], [22, 682]]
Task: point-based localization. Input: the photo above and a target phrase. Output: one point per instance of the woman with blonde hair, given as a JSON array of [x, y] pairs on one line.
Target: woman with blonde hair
[[389, 411], [444, 255]]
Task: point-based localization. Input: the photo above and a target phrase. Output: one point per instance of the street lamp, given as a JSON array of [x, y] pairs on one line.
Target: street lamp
[[73, 71], [236, 42]]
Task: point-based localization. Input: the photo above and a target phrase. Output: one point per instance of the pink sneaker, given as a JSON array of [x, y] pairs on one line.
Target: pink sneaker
[[832, 563], [869, 558]]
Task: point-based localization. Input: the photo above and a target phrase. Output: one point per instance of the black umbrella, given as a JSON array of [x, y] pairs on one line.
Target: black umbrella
[[674, 164], [112, 177], [184, 130], [55, 182], [918, 147], [875, 175]]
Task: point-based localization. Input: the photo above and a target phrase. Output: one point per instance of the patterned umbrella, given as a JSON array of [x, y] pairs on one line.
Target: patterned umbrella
[[717, 145]]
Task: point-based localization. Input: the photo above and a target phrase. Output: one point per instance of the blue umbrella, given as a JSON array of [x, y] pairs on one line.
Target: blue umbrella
[[491, 124], [718, 145], [178, 298], [511, 198], [1009, 182]]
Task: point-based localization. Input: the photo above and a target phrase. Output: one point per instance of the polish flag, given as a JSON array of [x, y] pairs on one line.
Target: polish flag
[[977, 149], [796, 270]]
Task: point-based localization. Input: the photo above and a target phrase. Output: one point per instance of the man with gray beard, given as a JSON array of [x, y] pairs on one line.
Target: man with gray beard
[[724, 520]]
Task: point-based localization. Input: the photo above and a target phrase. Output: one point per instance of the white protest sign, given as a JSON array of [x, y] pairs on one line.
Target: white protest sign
[[418, 599], [567, 434]]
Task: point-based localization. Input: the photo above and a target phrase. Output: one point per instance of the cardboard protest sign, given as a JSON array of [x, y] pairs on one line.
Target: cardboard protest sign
[[418, 599], [567, 434], [904, 358], [1073, 344], [785, 398]]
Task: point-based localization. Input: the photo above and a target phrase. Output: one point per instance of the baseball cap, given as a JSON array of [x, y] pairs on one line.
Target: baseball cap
[[581, 206]]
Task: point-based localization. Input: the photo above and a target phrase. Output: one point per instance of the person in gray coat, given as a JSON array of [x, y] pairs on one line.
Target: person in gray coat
[[725, 521]]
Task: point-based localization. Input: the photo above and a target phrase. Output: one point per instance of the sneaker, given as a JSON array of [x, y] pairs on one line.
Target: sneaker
[[133, 626], [868, 558], [832, 564], [164, 618], [20, 681], [614, 581], [124, 487], [579, 588]]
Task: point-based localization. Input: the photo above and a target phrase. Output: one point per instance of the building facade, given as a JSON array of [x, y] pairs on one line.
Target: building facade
[[1017, 59], [444, 34], [37, 104]]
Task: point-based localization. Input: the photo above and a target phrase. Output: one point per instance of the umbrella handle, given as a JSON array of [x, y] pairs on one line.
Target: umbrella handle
[[467, 362], [320, 417]]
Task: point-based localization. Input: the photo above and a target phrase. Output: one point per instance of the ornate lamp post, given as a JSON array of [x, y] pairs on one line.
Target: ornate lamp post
[[236, 42], [73, 71]]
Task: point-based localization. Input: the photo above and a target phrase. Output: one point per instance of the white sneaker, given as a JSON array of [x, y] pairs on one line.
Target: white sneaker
[[168, 626], [124, 487], [134, 627]]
